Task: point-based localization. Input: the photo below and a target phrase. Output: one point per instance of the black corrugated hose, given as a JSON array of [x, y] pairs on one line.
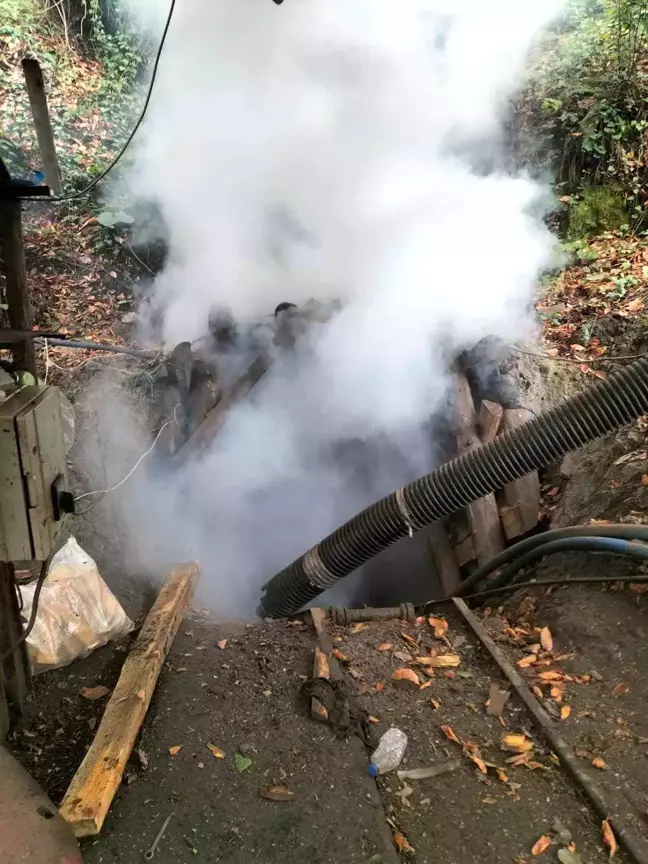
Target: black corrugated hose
[[606, 406]]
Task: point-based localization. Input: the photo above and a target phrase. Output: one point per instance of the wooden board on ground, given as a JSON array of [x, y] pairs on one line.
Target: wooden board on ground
[[520, 500], [93, 787]]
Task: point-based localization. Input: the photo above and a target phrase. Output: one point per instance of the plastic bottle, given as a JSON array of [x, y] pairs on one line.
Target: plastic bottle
[[388, 754]]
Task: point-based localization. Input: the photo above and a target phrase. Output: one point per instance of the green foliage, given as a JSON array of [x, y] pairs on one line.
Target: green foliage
[[599, 208], [587, 103]]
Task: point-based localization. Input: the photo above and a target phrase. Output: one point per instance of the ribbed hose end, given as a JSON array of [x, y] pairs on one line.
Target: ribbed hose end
[[606, 406]]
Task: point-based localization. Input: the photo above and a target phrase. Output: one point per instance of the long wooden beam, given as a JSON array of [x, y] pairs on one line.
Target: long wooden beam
[[93, 787]]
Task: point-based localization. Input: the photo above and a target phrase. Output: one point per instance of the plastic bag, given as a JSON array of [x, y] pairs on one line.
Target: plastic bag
[[77, 612]]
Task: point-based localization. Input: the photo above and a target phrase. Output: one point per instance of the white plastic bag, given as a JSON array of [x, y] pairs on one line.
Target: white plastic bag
[[77, 612]]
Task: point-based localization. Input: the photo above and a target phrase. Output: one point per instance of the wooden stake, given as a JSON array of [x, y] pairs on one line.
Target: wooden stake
[[445, 558], [94, 785], [520, 500], [13, 256], [40, 113], [490, 418], [320, 670], [484, 515]]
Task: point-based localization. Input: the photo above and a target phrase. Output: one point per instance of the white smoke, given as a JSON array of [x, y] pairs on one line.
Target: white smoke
[[361, 122]]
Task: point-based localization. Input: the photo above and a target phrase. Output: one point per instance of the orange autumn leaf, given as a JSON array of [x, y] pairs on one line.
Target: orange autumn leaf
[[599, 763], [173, 751], [402, 843], [608, 838], [435, 704], [529, 660], [409, 639], [406, 678], [546, 639], [339, 655], [516, 742], [380, 686], [552, 675], [222, 644], [557, 693], [425, 685], [541, 845], [448, 731], [216, 752], [537, 691], [385, 646], [439, 625], [441, 661], [620, 690], [644, 479], [502, 775], [565, 711]]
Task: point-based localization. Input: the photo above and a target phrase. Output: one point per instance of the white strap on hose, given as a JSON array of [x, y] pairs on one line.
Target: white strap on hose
[[316, 570], [405, 512]]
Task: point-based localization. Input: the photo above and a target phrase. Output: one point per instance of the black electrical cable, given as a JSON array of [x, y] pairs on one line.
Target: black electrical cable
[[537, 583], [74, 196], [628, 532], [34, 612]]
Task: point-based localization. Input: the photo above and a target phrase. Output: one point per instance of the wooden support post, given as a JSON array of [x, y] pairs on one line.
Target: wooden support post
[[520, 500], [490, 419], [445, 559], [40, 113], [484, 515], [15, 672], [94, 785], [13, 259]]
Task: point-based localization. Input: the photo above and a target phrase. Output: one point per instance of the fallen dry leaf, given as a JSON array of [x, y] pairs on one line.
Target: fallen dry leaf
[[402, 843], [373, 719], [435, 704], [472, 752], [385, 646], [608, 837], [406, 678], [502, 775], [520, 759], [644, 479], [278, 793], [439, 625], [565, 711], [94, 693], [339, 655], [425, 685], [355, 628], [215, 751], [541, 845], [173, 751], [529, 660], [441, 661], [516, 742], [380, 686], [599, 763], [546, 640], [557, 692], [620, 690], [537, 691], [222, 644], [448, 731], [410, 639], [552, 675]]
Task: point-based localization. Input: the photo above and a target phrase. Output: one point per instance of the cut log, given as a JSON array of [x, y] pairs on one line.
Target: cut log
[[484, 514], [520, 500], [490, 419], [93, 787]]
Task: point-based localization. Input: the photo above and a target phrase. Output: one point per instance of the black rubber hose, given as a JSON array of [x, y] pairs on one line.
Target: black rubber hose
[[627, 532], [609, 545], [601, 409]]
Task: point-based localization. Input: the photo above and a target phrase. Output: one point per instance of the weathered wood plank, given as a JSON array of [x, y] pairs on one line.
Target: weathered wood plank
[[93, 787]]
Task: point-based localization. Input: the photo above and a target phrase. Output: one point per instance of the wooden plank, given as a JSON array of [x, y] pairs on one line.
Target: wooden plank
[[484, 514], [20, 312], [490, 419], [40, 113], [15, 670], [93, 787], [445, 558], [215, 418], [520, 500]]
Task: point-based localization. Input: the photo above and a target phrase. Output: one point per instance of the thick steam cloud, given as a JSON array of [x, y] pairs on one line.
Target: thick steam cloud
[[332, 149]]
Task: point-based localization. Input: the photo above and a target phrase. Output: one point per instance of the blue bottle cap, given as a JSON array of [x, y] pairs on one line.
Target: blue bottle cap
[[374, 770]]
